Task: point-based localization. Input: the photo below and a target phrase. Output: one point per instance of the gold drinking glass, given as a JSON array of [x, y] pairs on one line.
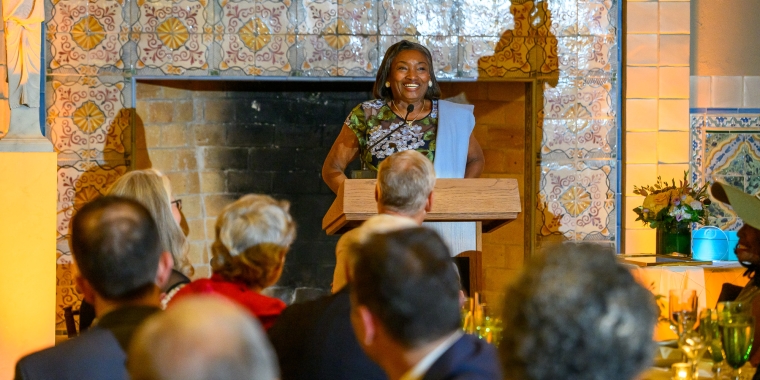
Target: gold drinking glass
[[682, 307]]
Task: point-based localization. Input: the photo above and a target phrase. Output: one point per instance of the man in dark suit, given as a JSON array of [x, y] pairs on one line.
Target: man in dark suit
[[405, 310], [314, 340], [118, 253]]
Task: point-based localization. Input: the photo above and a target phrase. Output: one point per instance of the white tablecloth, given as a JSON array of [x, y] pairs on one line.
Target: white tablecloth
[[705, 279]]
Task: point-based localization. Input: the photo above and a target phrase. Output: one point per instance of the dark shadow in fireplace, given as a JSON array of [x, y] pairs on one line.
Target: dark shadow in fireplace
[[218, 140]]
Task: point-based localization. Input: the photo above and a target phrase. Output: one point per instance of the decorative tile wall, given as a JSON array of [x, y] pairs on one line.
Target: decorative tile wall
[[725, 136], [578, 171], [95, 49]]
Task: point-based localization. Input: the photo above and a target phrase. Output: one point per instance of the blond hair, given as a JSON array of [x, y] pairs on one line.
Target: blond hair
[[252, 234], [152, 189]]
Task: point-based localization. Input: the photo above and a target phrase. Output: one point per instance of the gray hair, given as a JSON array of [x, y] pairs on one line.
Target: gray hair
[[251, 235], [406, 179], [202, 338], [576, 313]]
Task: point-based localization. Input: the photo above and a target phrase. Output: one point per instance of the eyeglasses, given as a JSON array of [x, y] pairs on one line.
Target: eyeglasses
[[178, 203]]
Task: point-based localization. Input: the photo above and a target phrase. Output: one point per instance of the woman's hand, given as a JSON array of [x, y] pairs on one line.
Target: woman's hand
[[475, 159], [344, 150]]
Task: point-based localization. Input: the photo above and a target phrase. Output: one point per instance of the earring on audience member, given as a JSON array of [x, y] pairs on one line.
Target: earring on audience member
[[387, 84], [430, 83]]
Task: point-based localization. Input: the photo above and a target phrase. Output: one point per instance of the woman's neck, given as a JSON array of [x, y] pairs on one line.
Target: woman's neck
[[401, 105], [402, 112]]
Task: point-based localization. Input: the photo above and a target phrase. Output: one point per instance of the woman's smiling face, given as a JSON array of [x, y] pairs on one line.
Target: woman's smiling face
[[409, 76], [748, 249]]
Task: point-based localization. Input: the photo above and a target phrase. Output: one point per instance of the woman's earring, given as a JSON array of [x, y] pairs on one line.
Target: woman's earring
[[387, 84], [430, 83]]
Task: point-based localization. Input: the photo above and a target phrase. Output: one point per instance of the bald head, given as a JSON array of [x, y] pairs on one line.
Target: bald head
[[405, 181], [202, 338], [116, 246]]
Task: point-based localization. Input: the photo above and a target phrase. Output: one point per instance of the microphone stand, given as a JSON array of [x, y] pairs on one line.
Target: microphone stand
[[365, 173]]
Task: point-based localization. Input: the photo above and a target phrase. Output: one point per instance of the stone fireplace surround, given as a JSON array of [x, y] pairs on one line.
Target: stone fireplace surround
[[217, 140]]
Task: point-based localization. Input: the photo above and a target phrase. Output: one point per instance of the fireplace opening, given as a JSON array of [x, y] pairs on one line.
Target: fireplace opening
[[218, 140]]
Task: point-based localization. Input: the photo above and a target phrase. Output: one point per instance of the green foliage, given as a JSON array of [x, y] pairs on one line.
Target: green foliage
[[671, 206]]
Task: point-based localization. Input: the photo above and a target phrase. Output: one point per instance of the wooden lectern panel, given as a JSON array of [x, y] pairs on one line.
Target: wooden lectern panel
[[493, 201]]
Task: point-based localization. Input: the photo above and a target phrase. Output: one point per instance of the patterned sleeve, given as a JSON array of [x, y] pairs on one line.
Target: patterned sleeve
[[357, 122]]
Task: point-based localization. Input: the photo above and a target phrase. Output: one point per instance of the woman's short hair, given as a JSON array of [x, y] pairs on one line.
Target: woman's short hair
[[379, 91], [152, 189], [252, 234]]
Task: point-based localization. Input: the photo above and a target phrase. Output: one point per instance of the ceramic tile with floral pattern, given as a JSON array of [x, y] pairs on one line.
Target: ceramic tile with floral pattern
[[357, 56], [317, 55], [315, 16], [477, 54], [576, 203], [359, 16]]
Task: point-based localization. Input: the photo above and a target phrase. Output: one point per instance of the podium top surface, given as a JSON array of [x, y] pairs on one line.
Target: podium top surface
[[492, 201]]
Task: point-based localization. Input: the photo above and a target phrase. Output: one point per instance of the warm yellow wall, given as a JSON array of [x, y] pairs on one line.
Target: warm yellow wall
[[657, 105], [27, 255], [724, 38]]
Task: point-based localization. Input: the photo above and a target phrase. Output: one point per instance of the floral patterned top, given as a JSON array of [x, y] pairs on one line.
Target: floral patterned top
[[373, 120]]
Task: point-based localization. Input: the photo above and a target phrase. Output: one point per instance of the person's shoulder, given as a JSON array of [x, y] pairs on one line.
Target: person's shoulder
[[357, 117], [259, 304], [199, 286], [95, 354], [469, 358], [274, 302], [364, 106], [373, 104], [445, 104], [387, 221], [304, 313]]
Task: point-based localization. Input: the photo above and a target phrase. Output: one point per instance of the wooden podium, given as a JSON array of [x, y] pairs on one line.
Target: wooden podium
[[493, 202], [462, 210], [490, 202]]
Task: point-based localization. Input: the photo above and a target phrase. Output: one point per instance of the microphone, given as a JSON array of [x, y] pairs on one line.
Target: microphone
[[409, 110]]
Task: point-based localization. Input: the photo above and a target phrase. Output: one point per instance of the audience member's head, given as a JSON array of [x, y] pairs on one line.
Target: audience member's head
[[375, 225], [404, 282], [576, 313], [747, 207], [405, 183], [115, 245], [202, 338], [153, 190], [253, 234]]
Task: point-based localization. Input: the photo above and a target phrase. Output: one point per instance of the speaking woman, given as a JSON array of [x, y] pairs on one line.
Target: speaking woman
[[407, 114]]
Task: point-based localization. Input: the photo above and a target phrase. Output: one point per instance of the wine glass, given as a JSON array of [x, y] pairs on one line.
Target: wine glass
[[694, 345], [682, 306], [468, 324], [708, 328], [737, 331]]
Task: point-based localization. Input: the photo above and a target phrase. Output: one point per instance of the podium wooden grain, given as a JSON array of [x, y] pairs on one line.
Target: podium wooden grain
[[493, 202]]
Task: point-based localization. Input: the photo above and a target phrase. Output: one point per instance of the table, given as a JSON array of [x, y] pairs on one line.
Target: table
[[705, 279]]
